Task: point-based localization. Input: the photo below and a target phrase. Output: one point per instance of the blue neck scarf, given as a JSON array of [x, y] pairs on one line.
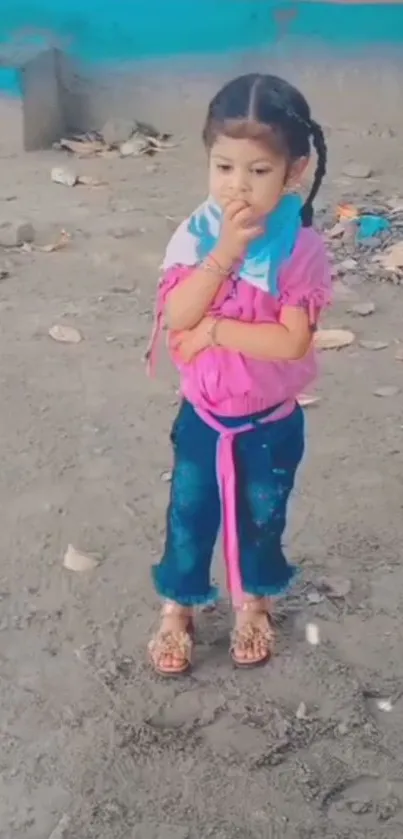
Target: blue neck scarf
[[198, 235]]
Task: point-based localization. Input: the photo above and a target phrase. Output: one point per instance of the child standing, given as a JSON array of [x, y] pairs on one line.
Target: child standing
[[244, 281]]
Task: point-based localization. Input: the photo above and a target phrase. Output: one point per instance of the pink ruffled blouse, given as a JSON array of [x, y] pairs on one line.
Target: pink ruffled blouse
[[221, 382]]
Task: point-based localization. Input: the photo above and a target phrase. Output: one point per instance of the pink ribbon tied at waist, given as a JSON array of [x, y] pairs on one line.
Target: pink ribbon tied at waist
[[226, 477]]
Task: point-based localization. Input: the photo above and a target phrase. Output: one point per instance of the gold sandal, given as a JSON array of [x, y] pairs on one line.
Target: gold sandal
[[251, 636], [174, 644]]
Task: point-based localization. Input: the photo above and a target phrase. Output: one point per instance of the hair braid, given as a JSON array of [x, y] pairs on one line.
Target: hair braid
[[319, 143]]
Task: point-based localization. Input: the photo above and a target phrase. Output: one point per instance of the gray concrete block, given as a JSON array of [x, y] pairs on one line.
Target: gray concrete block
[[55, 100]]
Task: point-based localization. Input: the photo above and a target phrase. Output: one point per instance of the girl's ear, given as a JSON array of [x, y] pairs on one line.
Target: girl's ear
[[296, 171]]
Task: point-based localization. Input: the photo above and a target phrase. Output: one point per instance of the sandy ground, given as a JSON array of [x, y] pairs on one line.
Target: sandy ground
[[92, 744]]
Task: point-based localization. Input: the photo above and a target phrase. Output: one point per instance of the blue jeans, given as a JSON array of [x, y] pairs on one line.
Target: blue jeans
[[266, 461]]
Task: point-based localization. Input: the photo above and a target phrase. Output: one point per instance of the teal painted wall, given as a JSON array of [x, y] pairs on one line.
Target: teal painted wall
[[116, 31]]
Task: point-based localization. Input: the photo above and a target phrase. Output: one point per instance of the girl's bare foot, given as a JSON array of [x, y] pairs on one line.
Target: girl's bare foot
[[252, 641], [170, 649]]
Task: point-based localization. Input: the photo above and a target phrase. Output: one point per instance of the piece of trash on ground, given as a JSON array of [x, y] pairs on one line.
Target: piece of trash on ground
[[347, 212], [65, 334], [60, 243], [301, 712], [119, 137], [74, 560], [370, 226], [385, 705], [312, 634]]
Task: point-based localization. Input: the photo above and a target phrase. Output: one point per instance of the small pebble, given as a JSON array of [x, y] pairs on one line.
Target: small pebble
[[65, 177], [386, 391], [301, 711], [385, 705], [363, 309], [357, 170], [166, 477]]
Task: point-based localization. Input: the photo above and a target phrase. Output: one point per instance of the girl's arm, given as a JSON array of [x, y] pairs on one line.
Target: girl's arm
[[288, 340], [189, 301]]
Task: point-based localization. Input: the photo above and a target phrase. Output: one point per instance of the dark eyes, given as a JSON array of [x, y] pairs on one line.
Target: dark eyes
[[225, 168]]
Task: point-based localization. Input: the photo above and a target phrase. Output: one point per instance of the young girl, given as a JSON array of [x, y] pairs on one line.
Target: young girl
[[244, 281]]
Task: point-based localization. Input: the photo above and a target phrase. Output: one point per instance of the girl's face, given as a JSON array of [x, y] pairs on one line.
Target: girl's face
[[247, 170]]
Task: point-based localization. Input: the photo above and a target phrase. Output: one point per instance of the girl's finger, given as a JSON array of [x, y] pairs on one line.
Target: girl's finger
[[244, 217], [235, 207], [251, 233]]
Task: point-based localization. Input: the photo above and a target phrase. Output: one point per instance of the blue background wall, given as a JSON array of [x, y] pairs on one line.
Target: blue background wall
[[116, 31]]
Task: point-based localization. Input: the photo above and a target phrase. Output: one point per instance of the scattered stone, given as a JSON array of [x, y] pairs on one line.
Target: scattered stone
[[312, 634], [301, 712], [166, 477], [363, 309], [15, 234], [375, 346], [333, 339], [76, 561], [313, 597], [88, 180], [4, 275], [117, 131], [65, 334], [337, 230], [399, 354], [385, 705], [336, 587], [386, 391], [65, 177], [357, 170]]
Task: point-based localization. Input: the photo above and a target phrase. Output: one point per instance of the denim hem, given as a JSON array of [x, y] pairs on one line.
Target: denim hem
[[211, 596], [274, 591]]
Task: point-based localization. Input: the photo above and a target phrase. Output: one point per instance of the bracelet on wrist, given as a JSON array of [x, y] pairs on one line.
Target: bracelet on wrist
[[212, 264]]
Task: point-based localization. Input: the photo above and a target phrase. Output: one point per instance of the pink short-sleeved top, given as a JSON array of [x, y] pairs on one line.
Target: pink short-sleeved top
[[228, 383]]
